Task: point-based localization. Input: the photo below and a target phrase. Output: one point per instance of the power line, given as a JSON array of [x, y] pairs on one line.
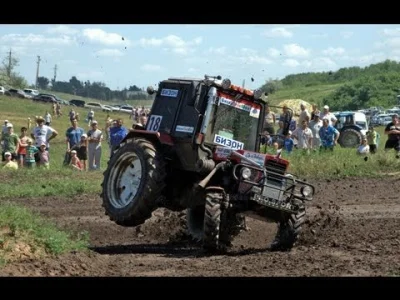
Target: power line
[[37, 71], [55, 73], [9, 64]]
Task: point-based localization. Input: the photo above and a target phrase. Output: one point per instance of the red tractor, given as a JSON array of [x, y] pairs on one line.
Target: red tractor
[[199, 153]]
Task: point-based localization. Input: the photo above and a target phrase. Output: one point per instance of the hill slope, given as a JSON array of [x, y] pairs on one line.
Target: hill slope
[[346, 89]]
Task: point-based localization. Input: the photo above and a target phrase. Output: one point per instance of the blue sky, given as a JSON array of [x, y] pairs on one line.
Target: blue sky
[[151, 53]]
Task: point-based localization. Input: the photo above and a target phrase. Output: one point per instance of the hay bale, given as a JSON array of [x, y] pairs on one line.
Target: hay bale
[[294, 104]]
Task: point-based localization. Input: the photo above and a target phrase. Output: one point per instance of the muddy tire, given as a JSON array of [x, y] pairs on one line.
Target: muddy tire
[[133, 182], [212, 221], [350, 138], [289, 230], [230, 225]]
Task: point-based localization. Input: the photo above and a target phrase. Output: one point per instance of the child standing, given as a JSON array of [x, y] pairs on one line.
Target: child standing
[[372, 139], [30, 154], [23, 138], [44, 156]]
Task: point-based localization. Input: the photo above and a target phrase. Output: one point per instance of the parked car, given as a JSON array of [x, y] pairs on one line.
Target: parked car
[[31, 92], [2, 90], [45, 98], [77, 102], [96, 105], [16, 93]]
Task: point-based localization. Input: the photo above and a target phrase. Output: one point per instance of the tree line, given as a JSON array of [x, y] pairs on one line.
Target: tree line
[[374, 85]]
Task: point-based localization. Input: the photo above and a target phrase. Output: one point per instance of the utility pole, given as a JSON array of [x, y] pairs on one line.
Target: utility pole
[[37, 71], [9, 64], [244, 80], [55, 73]]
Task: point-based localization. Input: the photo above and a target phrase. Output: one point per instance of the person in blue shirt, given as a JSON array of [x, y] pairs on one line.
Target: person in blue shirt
[[288, 143], [117, 134], [73, 137], [328, 134]]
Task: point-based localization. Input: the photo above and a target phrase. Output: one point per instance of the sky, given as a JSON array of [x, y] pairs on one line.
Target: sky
[[143, 55]]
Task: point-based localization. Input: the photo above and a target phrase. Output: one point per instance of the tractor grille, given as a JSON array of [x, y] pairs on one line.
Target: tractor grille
[[276, 167]]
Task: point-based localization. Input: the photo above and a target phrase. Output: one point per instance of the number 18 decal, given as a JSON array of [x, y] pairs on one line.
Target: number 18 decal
[[154, 123]]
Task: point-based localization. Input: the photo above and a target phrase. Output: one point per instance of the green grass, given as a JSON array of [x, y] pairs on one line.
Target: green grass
[[24, 234], [311, 94]]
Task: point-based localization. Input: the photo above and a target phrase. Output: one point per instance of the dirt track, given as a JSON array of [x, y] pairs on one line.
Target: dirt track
[[353, 229]]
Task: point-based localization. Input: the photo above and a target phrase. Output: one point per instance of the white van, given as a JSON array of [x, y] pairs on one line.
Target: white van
[[31, 92]]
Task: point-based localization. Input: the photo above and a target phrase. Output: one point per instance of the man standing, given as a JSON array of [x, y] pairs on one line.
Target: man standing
[[73, 136], [10, 142], [315, 125], [269, 120], [393, 132], [117, 134], [42, 134], [329, 135]]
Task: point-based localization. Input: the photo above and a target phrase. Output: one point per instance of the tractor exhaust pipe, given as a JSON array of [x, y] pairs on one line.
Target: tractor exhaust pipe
[[204, 182]]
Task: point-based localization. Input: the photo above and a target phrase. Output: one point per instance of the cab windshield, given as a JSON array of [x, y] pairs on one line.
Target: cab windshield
[[234, 124]]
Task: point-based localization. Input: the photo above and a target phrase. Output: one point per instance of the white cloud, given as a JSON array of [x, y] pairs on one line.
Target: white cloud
[[292, 63], [35, 40], [90, 75], [320, 35], [346, 34], [277, 32], [69, 62], [62, 29], [150, 68], [18, 50], [371, 58], [109, 52], [391, 31], [218, 51], [193, 70], [320, 64], [245, 37], [106, 38], [334, 51], [294, 50], [273, 52], [171, 42]]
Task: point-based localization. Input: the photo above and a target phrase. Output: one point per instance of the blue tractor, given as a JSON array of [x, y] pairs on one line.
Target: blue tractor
[[353, 126]]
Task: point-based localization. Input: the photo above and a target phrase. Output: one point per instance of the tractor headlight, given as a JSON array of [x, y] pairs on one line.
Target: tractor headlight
[[306, 191], [226, 83], [246, 173]]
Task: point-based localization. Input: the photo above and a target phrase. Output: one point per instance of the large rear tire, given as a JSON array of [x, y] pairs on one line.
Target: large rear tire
[[289, 230], [350, 138], [133, 182]]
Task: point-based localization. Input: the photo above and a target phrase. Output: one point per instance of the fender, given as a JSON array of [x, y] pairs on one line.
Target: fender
[[156, 137]]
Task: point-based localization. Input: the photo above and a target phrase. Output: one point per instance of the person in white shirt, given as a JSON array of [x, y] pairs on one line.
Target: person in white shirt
[[315, 125], [47, 118], [327, 114], [304, 136], [363, 149], [42, 134], [95, 137]]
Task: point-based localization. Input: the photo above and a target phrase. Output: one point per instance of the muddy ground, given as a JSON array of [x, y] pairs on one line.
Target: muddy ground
[[353, 229]]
